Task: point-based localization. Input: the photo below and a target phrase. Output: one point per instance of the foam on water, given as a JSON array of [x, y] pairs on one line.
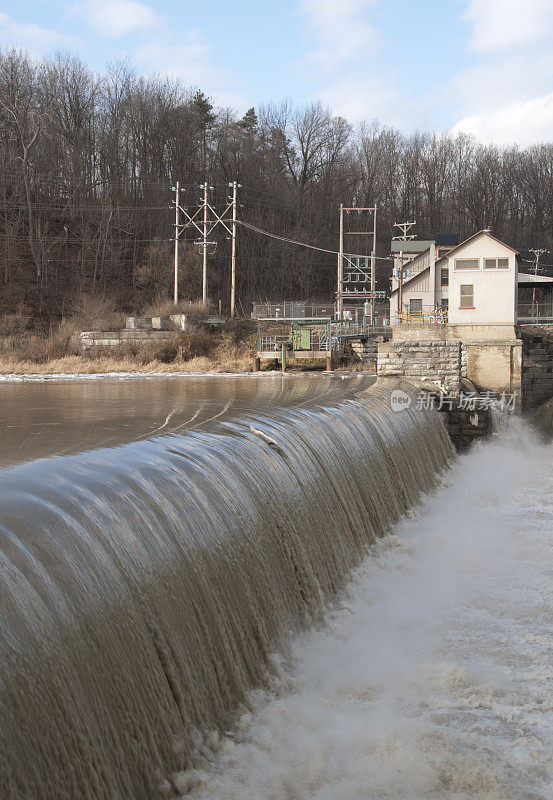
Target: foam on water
[[434, 677]]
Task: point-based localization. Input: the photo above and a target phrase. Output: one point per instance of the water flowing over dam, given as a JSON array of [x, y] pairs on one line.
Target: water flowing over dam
[[432, 678], [146, 586]]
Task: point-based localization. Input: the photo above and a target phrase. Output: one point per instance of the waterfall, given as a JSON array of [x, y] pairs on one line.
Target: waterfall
[[145, 587]]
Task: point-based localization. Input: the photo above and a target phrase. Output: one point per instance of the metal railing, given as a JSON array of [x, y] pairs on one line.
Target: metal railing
[[535, 312], [273, 343], [298, 309], [427, 315], [351, 330]]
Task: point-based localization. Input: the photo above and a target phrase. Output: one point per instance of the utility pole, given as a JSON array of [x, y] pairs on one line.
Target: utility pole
[[204, 244], [234, 187], [176, 189], [204, 219], [538, 251], [404, 228], [339, 299], [373, 269]]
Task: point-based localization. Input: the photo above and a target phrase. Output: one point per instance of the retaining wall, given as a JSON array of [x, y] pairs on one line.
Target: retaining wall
[[91, 339], [436, 361], [537, 365]]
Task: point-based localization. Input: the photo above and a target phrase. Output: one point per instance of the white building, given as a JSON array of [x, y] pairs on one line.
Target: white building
[[474, 283]]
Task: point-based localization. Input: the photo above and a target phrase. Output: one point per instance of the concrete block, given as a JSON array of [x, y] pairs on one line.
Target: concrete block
[[139, 323]]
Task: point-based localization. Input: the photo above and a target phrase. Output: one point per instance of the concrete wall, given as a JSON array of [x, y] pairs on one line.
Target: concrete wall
[[365, 349], [174, 322], [495, 366], [454, 333], [490, 355], [91, 339], [422, 360], [464, 427], [143, 330]]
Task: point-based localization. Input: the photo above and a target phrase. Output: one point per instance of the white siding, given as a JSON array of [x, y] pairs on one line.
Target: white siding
[[494, 289]]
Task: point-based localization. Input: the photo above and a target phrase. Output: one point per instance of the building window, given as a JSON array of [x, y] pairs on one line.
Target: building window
[[496, 263], [444, 279], [467, 263], [415, 306], [442, 252], [467, 295], [444, 304]]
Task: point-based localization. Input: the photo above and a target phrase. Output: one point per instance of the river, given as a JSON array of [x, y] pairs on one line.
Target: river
[[43, 416], [164, 543]]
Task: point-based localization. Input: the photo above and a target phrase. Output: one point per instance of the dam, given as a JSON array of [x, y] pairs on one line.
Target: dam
[[270, 589]]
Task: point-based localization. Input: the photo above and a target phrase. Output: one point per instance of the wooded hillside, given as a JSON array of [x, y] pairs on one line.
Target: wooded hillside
[[87, 163]]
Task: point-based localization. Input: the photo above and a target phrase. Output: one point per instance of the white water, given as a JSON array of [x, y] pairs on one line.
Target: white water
[[434, 679]]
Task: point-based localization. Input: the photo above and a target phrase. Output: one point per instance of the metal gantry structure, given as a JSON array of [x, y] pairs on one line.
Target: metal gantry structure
[[356, 273], [204, 219]]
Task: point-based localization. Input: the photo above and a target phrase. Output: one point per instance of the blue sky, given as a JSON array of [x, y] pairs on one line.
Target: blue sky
[[482, 66]]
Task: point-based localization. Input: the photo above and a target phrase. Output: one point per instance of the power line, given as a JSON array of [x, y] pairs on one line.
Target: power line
[[303, 244], [533, 261]]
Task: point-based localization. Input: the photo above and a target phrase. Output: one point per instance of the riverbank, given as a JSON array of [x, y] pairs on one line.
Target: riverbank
[[79, 365], [25, 350]]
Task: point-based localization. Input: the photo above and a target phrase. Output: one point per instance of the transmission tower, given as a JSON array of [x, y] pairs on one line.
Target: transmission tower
[[204, 219], [356, 274]]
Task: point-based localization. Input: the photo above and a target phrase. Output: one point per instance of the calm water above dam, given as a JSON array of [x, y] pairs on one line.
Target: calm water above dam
[[164, 543], [47, 417]]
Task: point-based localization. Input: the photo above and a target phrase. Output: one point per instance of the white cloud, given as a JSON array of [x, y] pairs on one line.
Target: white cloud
[[186, 57], [32, 37], [502, 24], [156, 45], [503, 80], [507, 96], [116, 18], [340, 33], [368, 97], [524, 123]]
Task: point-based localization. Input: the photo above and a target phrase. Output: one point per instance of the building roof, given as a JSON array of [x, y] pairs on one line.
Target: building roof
[[529, 279], [450, 253], [443, 239], [481, 233], [411, 245]]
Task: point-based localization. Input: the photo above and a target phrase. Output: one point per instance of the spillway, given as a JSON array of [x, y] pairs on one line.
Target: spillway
[[433, 676], [147, 586]]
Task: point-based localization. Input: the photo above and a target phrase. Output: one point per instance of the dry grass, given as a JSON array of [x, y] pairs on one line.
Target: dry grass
[[163, 306], [15, 323], [79, 365], [193, 351], [93, 312], [230, 349], [38, 349]]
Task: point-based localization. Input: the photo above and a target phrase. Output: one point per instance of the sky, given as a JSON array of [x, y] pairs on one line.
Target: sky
[[480, 66]]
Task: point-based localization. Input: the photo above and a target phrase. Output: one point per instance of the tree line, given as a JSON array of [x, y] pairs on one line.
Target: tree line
[[87, 162]]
